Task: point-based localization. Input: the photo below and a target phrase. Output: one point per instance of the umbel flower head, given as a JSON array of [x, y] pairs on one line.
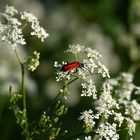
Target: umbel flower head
[[116, 108], [83, 69], [12, 22], [90, 64]]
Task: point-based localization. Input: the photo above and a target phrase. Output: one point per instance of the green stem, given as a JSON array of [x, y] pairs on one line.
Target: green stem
[[72, 81], [26, 132], [24, 100], [17, 57], [66, 84], [23, 86], [24, 97]]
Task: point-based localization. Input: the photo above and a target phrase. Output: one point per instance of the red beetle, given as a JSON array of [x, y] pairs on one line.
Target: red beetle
[[71, 66]]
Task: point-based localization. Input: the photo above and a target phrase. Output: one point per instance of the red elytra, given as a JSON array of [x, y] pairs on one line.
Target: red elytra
[[71, 66]]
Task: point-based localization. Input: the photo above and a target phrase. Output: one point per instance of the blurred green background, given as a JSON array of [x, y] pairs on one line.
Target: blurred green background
[[110, 26]]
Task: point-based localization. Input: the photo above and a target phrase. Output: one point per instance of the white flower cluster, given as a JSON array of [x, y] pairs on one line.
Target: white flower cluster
[[125, 91], [131, 126], [87, 138], [37, 29], [133, 109], [89, 89], [107, 131], [10, 10], [105, 107], [34, 61], [92, 53], [105, 104], [119, 118], [103, 70], [11, 30], [88, 119], [11, 26], [115, 102], [114, 107], [75, 49], [89, 66]]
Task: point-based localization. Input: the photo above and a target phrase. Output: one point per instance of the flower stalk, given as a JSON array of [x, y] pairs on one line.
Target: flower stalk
[[24, 100], [23, 92]]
